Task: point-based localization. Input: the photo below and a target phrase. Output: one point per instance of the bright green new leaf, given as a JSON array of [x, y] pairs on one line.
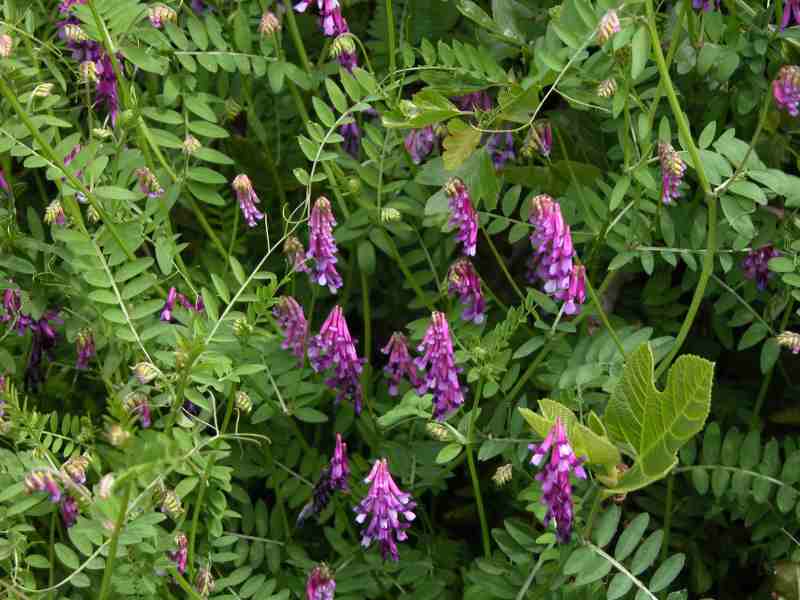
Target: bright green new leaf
[[655, 424], [459, 144]]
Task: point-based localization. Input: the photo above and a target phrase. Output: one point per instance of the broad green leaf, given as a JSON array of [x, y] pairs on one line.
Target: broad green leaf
[[640, 51], [655, 424], [459, 144]]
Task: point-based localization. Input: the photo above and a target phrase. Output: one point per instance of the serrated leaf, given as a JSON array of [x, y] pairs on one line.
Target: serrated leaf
[[459, 144]]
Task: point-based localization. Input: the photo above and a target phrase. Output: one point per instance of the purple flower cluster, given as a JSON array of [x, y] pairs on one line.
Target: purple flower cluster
[[322, 247], [69, 511], [148, 183], [553, 254], [352, 138], [334, 348], [556, 487], [86, 50], [420, 143], [320, 584], [463, 215], [45, 481], [474, 101], [786, 88], [247, 198], [175, 296], [292, 321], [84, 345], [400, 363], [756, 265], [386, 503], [791, 8], [333, 477], [540, 139], [672, 170], [501, 148], [706, 5], [333, 24], [441, 373], [463, 280], [181, 555]]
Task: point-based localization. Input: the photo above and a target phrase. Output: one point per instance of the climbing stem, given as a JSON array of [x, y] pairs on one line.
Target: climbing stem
[[297, 39], [390, 31], [473, 472], [105, 586], [667, 515]]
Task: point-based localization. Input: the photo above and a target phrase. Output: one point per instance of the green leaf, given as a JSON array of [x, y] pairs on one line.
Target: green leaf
[[640, 51], [67, 556], [310, 415], [144, 61], [448, 453], [607, 526], [667, 572], [459, 144], [647, 552], [631, 536], [707, 136], [654, 424]]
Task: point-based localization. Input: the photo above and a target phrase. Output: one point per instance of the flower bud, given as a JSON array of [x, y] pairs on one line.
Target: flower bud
[[105, 486], [607, 88], [269, 24], [117, 436], [343, 44], [232, 109], [438, 432], [204, 582], [101, 132], [54, 213], [243, 402], [191, 145], [73, 33], [390, 215], [160, 14], [88, 71], [790, 340], [609, 25], [92, 215], [145, 372], [75, 469], [43, 90], [171, 504], [503, 475], [6, 44]]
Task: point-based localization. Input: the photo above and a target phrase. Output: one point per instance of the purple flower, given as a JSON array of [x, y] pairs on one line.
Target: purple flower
[[441, 376], [791, 8], [181, 554], [474, 101], [44, 340], [339, 468], [541, 138], [786, 88], [43, 481], [609, 25], [556, 487], [199, 6], [247, 198], [322, 247], [107, 86], [352, 138], [344, 49], [420, 142], [84, 344], [756, 265], [334, 348], [138, 405], [12, 304], [294, 250], [464, 281], [169, 305], [463, 215], [160, 14], [707, 5], [501, 148], [574, 295], [3, 183], [69, 511], [672, 170], [148, 183], [330, 16], [400, 363], [320, 585], [54, 214], [293, 324], [552, 245], [333, 477], [385, 502], [75, 469]]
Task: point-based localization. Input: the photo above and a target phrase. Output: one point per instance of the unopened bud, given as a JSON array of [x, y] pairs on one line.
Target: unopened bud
[[105, 486], [609, 25], [191, 145], [92, 215], [73, 33], [54, 213], [43, 90], [390, 215], [75, 469], [117, 436], [241, 327], [145, 372], [343, 44], [607, 88], [503, 475], [6, 44], [160, 14], [790, 340], [243, 402], [101, 132], [232, 109], [88, 71], [438, 432], [171, 504], [269, 24], [204, 582]]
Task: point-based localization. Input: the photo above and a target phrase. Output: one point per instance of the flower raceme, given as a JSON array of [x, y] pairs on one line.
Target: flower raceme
[[334, 348], [786, 89], [463, 215], [609, 25], [386, 504], [501, 148], [247, 198], [420, 143], [441, 373], [791, 10], [463, 280], [322, 247], [672, 170], [755, 266], [334, 477], [400, 363], [320, 584], [554, 476], [292, 321]]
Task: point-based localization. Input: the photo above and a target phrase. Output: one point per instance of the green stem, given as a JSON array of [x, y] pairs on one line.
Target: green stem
[[762, 393], [473, 472], [366, 309], [185, 585], [201, 218], [52, 560], [105, 586], [587, 528], [604, 317], [711, 241], [297, 39], [502, 264], [529, 581], [390, 36], [667, 515]]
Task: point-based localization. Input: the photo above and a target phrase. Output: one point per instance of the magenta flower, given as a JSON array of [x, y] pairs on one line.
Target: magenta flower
[[330, 16], [320, 585], [464, 281], [333, 477], [169, 305], [292, 321], [69, 511], [441, 376], [247, 198], [501, 148], [574, 295], [672, 170], [756, 265], [786, 88], [474, 101], [322, 247], [181, 555], [400, 363], [43, 481], [339, 467], [386, 503], [43, 341], [552, 245], [556, 487], [296, 253], [707, 5], [334, 348], [463, 215], [84, 344], [12, 305], [352, 138], [791, 8], [3, 183], [420, 143]]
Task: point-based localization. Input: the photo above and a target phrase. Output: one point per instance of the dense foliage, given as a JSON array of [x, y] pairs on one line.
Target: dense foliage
[[399, 299]]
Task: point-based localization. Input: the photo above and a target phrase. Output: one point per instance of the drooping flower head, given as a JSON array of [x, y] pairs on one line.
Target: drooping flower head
[[6, 44], [334, 477], [501, 148], [269, 24], [786, 88], [463, 215], [334, 348], [672, 170], [344, 50], [247, 198], [320, 584], [330, 16], [180, 556], [790, 340], [160, 14], [68, 507], [292, 321], [84, 344], [556, 486], [43, 481], [463, 280], [322, 247], [539, 140], [441, 373], [400, 363], [75, 469], [474, 101], [54, 214], [609, 25], [386, 504], [791, 9], [296, 253], [190, 145], [420, 143], [552, 245], [755, 266], [607, 88], [352, 138], [148, 183], [43, 341], [138, 405]]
